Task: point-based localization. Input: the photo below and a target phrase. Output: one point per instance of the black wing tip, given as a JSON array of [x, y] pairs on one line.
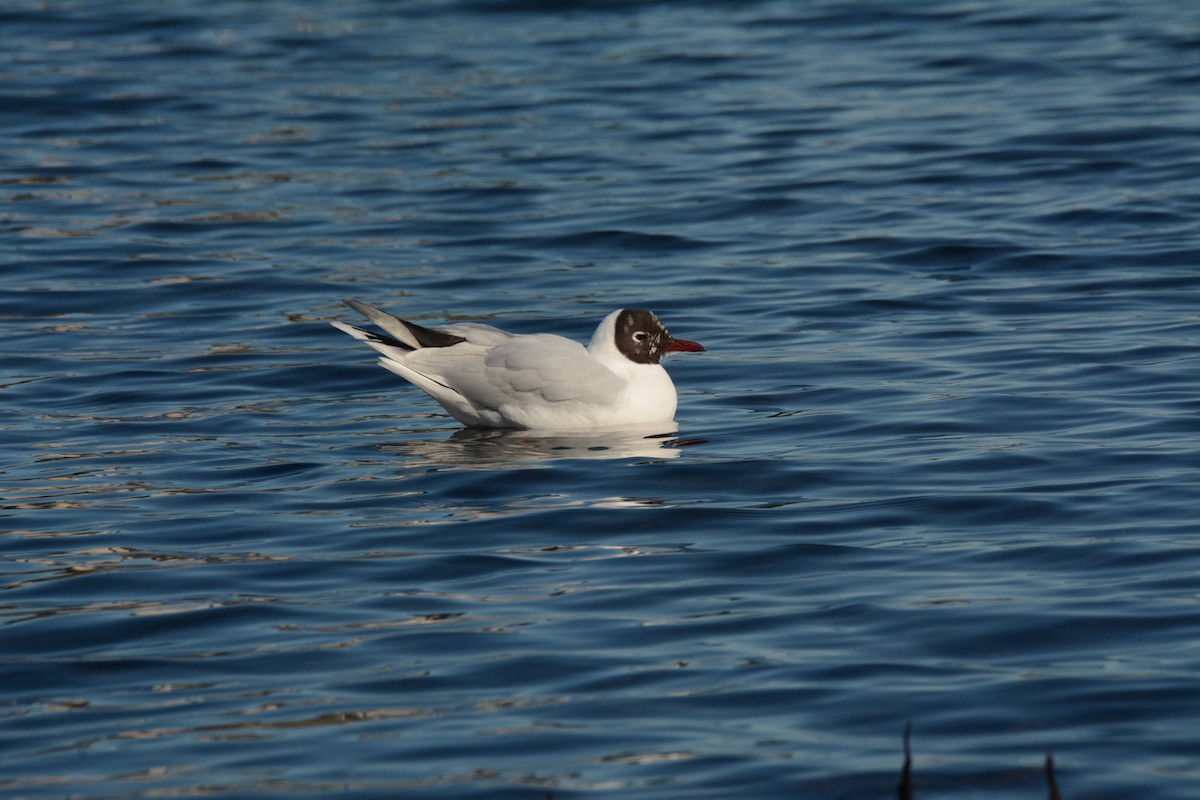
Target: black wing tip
[[428, 337], [383, 338], [425, 337]]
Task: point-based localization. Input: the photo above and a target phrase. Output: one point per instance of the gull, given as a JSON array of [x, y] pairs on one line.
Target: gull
[[489, 378]]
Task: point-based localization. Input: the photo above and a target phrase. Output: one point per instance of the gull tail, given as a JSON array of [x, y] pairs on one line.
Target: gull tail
[[405, 339], [391, 349]]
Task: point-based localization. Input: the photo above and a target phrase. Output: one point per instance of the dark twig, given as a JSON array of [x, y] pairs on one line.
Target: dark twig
[[905, 790], [1054, 795]]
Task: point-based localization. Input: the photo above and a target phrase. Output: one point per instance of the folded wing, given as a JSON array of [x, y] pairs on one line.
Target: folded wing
[[520, 372]]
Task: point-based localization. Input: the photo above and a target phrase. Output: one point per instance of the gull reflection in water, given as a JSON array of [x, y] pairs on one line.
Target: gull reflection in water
[[490, 448]]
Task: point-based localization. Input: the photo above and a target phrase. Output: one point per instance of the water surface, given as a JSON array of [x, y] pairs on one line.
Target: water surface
[[939, 464]]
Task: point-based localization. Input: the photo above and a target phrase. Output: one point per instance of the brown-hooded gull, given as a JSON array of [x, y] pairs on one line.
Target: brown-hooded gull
[[489, 378]]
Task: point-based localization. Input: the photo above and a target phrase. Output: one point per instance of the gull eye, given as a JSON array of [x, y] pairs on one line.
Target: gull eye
[[641, 336]]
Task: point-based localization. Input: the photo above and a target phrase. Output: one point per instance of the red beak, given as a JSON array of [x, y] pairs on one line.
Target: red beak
[[684, 346]]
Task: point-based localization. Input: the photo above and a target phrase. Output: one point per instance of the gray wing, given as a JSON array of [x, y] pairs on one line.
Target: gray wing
[[526, 370]]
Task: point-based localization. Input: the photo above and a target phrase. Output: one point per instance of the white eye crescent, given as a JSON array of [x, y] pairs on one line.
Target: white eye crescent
[[641, 336]]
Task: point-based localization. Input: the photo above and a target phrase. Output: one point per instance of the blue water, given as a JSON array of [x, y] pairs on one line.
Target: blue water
[[939, 465]]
